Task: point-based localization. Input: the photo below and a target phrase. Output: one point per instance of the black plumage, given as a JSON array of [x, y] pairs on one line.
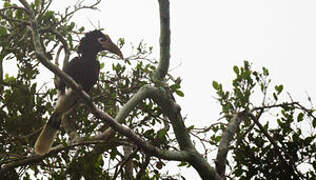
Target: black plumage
[[85, 70]]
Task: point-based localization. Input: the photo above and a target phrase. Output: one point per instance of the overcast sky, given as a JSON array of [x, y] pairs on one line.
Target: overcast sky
[[209, 37]]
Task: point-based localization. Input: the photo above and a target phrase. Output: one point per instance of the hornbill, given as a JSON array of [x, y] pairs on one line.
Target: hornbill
[[84, 69]]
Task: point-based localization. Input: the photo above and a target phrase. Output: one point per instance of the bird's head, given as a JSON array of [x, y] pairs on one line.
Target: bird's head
[[95, 41]]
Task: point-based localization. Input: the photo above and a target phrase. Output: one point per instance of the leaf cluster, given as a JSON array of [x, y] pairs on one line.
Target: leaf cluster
[[257, 155]]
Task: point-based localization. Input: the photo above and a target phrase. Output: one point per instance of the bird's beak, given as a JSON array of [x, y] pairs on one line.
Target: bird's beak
[[110, 46]]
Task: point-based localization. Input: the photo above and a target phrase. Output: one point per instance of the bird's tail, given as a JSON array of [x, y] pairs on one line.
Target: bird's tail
[[45, 140]]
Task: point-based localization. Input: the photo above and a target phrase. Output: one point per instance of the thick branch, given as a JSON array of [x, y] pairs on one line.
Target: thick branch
[[227, 137], [172, 111], [163, 66], [141, 94]]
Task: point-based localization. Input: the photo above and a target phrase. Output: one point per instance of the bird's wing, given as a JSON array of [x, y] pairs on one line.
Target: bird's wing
[[70, 69]]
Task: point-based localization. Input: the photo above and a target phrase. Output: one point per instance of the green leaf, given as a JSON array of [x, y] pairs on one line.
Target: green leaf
[[81, 29], [308, 140], [6, 4], [148, 133], [300, 117], [161, 134], [266, 126], [3, 31], [236, 70], [218, 139], [265, 71], [190, 128], [215, 85], [102, 65], [175, 87], [279, 89], [179, 93], [275, 96], [50, 14], [121, 42]]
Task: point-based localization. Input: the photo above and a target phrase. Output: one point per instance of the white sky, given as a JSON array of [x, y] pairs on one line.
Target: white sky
[[209, 37]]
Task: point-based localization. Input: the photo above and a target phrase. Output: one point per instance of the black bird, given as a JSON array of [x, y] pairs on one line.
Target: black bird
[[85, 71]]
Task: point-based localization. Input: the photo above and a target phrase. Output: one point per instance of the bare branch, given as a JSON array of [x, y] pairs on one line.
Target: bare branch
[[78, 7], [163, 66], [274, 106], [227, 137]]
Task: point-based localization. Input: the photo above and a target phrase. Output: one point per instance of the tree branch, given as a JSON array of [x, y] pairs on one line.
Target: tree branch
[[274, 106], [141, 94], [65, 45], [163, 66], [34, 158], [226, 138], [172, 111]]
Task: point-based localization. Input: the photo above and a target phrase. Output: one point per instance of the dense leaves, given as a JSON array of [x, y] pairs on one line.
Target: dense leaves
[[290, 128], [275, 139]]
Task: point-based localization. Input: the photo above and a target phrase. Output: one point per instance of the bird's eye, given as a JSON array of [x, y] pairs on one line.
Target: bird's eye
[[101, 40]]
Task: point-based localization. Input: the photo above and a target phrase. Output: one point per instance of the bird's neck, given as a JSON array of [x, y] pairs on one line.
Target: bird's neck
[[89, 56]]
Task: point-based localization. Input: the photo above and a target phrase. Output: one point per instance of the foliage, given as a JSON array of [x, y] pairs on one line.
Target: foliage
[[254, 154], [271, 140]]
